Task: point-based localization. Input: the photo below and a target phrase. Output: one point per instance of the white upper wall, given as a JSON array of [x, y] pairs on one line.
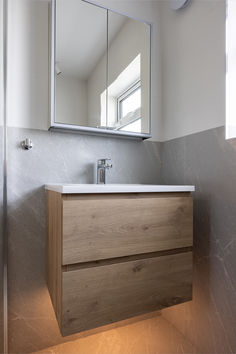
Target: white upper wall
[[28, 64], [28, 60], [193, 67], [188, 73]]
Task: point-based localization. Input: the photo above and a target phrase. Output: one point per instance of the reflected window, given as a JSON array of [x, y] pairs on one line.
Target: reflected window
[[133, 127], [129, 102], [122, 99], [129, 109]]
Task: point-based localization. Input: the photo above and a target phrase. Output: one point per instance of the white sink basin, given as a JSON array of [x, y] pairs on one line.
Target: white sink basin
[[115, 188]]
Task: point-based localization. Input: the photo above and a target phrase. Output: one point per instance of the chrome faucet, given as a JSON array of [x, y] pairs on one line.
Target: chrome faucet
[[102, 166]]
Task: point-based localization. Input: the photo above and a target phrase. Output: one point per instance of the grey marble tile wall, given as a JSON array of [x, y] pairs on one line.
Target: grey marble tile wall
[[208, 161], [1, 289], [204, 159], [1, 285], [55, 157]]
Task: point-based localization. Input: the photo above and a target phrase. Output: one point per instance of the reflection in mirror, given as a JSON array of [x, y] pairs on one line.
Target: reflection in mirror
[[129, 75], [80, 71], [102, 69]]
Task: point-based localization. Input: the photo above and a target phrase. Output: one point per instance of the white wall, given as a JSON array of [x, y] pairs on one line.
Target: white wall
[[191, 96], [71, 100], [28, 64], [28, 60], [193, 67]]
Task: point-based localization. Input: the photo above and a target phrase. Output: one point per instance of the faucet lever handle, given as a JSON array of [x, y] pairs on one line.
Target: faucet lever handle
[[103, 161], [108, 165]]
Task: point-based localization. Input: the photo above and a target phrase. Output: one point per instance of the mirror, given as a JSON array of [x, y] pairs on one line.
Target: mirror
[[100, 70], [128, 90]]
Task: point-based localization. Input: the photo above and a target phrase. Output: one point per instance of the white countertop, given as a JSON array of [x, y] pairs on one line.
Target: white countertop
[[115, 188]]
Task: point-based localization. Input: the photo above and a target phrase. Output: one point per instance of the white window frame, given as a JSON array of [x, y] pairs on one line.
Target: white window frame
[[121, 98], [127, 124]]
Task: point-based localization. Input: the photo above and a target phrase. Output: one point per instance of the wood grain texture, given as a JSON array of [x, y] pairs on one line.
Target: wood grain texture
[[54, 250], [100, 196], [105, 226], [101, 295]]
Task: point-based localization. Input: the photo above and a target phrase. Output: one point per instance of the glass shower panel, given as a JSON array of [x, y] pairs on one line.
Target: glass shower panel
[[1, 176], [1, 173]]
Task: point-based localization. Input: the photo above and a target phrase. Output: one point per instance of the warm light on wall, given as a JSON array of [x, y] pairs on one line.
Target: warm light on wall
[[140, 335]]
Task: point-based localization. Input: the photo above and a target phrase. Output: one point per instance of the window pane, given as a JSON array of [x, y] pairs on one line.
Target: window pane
[[134, 127], [131, 103]]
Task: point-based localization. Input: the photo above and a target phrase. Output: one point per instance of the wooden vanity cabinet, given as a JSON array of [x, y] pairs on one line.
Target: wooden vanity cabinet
[[115, 256]]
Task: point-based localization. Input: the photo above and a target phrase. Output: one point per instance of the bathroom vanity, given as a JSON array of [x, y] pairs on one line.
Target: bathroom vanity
[[117, 251]]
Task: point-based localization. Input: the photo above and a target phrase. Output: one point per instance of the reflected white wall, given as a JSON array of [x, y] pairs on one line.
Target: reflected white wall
[[71, 100]]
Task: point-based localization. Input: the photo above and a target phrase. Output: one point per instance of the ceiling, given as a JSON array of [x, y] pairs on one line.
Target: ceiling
[[81, 36]]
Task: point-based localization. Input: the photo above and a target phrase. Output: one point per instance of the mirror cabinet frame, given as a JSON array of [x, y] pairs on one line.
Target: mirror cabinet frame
[[53, 125]]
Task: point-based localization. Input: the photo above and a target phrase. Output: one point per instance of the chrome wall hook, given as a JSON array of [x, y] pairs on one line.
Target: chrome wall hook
[[27, 144]]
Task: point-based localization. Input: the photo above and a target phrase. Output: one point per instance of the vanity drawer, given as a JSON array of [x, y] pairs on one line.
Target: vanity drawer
[[101, 295], [101, 227]]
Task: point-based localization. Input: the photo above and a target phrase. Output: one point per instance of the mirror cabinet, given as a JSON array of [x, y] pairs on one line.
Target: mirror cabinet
[[100, 70]]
